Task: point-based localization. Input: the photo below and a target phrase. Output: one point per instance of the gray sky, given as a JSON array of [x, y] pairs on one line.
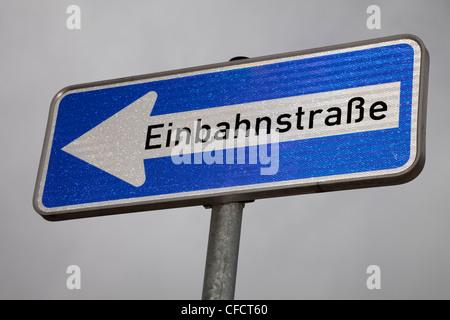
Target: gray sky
[[307, 246]]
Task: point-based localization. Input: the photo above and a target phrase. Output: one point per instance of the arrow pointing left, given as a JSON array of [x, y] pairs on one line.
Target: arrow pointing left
[[118, 154]]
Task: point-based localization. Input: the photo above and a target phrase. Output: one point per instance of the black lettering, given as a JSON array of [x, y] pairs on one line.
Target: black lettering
[[222, 134], [358, 106], [299, 115], [200, 128], [151, 136], [284, 123], [239, 122], [169, 135], [374, 109], [335, 117], [188, 135], [312, 113], [258, 124]]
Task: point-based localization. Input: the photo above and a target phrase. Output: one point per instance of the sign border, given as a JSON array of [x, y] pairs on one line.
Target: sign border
[[395, 176]]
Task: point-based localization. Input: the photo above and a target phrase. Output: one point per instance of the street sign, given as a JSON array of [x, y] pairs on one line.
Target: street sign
[[333, 118]]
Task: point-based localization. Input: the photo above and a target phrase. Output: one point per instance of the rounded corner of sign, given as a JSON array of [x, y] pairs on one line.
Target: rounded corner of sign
[[411, 169], [62, 93], [40, 208], [412, 37], [416, 40]]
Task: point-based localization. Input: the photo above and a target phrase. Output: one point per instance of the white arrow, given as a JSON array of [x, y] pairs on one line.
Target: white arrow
[[115, 145], [118, 144]]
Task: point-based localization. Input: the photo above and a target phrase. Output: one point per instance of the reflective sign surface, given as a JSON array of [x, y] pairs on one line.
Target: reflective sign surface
[[341, 117]]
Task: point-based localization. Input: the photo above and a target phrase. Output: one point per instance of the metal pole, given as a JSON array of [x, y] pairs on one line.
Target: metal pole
[[223, 249]]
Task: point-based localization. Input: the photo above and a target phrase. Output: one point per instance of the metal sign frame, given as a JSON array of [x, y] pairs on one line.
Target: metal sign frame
[[255, 191]]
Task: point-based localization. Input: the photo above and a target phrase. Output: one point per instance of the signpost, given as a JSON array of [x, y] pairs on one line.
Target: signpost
[[340, 117], [347, 116]]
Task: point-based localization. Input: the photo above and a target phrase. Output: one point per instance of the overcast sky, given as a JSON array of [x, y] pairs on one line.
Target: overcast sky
[[306, 246]]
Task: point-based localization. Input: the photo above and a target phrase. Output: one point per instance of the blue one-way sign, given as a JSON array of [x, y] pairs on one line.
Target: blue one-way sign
[[340, 117]]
